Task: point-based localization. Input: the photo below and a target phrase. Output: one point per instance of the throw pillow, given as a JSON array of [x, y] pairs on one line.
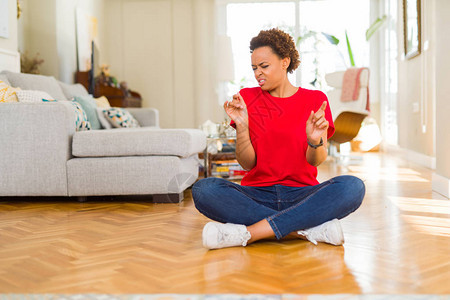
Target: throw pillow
[[103, 120], [36, 82], [8, 93], [102, 102], [72, 90], [4, 78], [29, 96], [81, 120], [90, 108], [120, 117]]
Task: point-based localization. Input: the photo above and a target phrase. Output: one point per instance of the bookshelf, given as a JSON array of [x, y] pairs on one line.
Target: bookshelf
[[220, 159]]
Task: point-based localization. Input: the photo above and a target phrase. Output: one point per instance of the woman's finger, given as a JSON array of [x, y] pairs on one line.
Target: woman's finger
[[241, 101], [321, 111], [324, 125], [310, 118], [319, 122]]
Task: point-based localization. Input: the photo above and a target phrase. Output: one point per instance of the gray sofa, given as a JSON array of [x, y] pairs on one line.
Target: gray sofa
[[41, 154]]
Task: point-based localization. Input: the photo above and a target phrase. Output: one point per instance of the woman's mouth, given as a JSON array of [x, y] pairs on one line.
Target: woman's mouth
[[261, 82]]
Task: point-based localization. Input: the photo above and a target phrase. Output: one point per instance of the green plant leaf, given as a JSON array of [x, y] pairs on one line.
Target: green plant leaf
[[331, 38], [350, 53], [375, 26]]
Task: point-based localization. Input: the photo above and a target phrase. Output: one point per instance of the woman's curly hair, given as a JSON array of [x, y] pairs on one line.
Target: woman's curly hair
[[281, 43]]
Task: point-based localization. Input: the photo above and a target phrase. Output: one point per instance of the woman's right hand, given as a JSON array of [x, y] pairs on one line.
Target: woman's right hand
[[237, 110]]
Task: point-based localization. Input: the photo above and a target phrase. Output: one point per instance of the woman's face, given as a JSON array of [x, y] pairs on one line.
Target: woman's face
[[269, 68]]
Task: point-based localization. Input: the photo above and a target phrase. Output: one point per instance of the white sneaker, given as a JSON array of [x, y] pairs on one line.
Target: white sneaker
[[219, 235], [329, 232]]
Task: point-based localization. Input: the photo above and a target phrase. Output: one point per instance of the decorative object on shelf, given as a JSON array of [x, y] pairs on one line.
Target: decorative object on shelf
[[29, 64], [219, 159], [226, 130], [104, 78], [210, 128], [411, 28], [106, 85], [123, 85]]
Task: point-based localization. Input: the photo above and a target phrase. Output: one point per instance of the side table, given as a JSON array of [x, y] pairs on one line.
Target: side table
[[224, 160]]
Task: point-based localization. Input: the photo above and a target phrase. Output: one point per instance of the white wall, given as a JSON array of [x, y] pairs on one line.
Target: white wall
[[164, 49], [423, 81], [48, 27], [416, 87], [9, 57], [66, 33], [441, 182]]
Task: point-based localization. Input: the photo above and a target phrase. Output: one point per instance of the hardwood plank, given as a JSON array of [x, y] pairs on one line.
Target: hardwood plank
[[398, 242]]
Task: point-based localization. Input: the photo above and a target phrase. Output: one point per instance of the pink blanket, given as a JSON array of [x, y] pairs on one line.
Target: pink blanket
[[351, 85]]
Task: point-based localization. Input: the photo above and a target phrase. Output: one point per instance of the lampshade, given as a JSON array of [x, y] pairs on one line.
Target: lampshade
[[225, 63]]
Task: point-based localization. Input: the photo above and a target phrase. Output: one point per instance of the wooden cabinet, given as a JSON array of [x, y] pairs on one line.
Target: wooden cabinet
[[116, 96]]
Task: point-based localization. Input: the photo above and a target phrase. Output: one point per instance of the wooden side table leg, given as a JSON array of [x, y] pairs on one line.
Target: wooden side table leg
[[206, 161]]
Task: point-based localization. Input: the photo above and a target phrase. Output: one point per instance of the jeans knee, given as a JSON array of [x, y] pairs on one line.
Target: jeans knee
[[358, 190], [202, 188]]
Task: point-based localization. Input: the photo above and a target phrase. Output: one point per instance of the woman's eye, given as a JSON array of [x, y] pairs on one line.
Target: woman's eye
[[265, 66]]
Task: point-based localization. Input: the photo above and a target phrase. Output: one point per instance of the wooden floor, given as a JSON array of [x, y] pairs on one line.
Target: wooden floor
[[398, 242]]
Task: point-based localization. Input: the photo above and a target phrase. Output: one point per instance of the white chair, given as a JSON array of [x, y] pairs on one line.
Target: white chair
[[347, 116]]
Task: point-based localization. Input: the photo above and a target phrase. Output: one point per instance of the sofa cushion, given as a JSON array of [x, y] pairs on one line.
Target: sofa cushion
[[135, 175], [36, 82], [138, 141], [7, 92], [72, 90], [90, 108], [120, 118], [4, 78], [33, 96]]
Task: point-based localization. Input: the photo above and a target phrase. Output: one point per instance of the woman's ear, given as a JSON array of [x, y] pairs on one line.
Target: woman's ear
[[285, 62]]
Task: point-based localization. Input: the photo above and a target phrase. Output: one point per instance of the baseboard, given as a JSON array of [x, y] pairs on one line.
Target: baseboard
[[9, 60], [441, 185], [412, 156]]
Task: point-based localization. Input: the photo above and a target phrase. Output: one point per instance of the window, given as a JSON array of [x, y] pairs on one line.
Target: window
[[317, 55], [332, 17], [244, 21]]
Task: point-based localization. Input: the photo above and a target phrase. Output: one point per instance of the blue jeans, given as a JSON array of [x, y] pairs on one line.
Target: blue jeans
[[287, 209]]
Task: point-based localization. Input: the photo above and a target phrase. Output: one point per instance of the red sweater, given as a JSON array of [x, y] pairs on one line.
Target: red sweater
[[278, 135]]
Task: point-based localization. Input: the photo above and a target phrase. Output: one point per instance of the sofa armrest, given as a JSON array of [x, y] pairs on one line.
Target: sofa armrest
[[35, 144], [145, 116]]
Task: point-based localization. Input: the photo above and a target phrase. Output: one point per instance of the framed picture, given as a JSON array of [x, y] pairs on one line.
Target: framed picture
[[4, 21], [411, 28]]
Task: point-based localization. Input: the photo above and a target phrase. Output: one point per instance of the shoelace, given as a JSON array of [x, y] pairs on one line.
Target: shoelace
[[320, 234], [308, 237], [234, 236]]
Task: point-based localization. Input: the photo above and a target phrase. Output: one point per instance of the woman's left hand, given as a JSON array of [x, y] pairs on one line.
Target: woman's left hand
[[317, 125]]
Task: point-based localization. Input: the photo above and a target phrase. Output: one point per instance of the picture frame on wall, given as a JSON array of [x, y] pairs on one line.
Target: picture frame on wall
[[411, 28], [4, 20]]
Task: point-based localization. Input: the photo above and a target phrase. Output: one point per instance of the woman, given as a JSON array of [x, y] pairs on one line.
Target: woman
[[282, 134]]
